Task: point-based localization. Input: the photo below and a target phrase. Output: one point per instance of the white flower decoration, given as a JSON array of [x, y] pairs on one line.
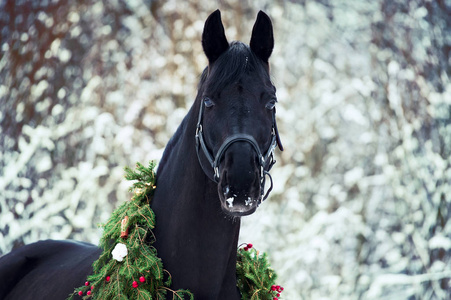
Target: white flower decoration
[[119, 252]]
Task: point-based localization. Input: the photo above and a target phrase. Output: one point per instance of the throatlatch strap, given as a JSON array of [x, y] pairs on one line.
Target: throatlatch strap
[[264, 196]]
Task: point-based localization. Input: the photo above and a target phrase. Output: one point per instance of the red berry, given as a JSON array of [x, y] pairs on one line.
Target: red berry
[[275, 298], [135, 284], [273, 288], [246, 248], [249, 246], [80, 293], [281, 289], [88, 293], [142, 279], [87, 283], [278, 295], [108, 278], [92, 287]]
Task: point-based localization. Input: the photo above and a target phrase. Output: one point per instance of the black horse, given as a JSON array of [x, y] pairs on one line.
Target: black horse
[[213, 171]]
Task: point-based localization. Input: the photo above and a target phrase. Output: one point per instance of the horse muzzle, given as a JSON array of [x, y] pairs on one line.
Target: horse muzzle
[[239, 185]]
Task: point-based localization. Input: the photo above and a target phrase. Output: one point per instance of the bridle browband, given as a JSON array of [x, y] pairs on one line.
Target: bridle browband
[[266, 160]]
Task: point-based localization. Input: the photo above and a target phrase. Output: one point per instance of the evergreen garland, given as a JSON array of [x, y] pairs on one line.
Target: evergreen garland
[[129, 267]]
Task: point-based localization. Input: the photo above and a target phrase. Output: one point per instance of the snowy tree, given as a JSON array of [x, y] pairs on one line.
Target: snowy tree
[[361, 203]]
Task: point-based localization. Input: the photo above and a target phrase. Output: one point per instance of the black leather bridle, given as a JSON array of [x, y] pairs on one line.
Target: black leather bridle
[[266, 160]]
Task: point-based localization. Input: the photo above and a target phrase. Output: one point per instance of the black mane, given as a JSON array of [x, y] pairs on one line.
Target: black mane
[[230, 67]]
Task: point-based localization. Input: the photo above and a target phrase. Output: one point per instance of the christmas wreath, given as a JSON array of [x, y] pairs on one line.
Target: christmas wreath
[[129, 267]]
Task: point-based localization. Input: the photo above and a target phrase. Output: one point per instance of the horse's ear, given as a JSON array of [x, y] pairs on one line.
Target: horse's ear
[[262, 39], [214, 40]]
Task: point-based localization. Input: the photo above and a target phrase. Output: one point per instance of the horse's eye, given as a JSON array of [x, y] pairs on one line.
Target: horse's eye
[[208, 102], [271, 104]]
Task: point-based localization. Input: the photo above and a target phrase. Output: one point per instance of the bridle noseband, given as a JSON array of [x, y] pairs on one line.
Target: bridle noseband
[[266, 160]]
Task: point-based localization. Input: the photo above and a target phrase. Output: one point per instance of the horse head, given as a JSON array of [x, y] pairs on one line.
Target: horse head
[[236, 131]]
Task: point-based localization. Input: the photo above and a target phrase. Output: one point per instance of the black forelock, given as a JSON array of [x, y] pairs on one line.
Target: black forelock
[[237, 61]]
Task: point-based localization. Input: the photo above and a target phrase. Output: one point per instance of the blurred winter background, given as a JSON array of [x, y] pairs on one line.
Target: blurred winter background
[[361, 207]]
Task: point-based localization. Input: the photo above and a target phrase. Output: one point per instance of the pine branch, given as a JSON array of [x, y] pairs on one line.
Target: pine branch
[[255, 279]]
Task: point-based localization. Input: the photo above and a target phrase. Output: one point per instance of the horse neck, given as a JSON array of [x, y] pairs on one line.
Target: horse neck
[[195, 239]]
